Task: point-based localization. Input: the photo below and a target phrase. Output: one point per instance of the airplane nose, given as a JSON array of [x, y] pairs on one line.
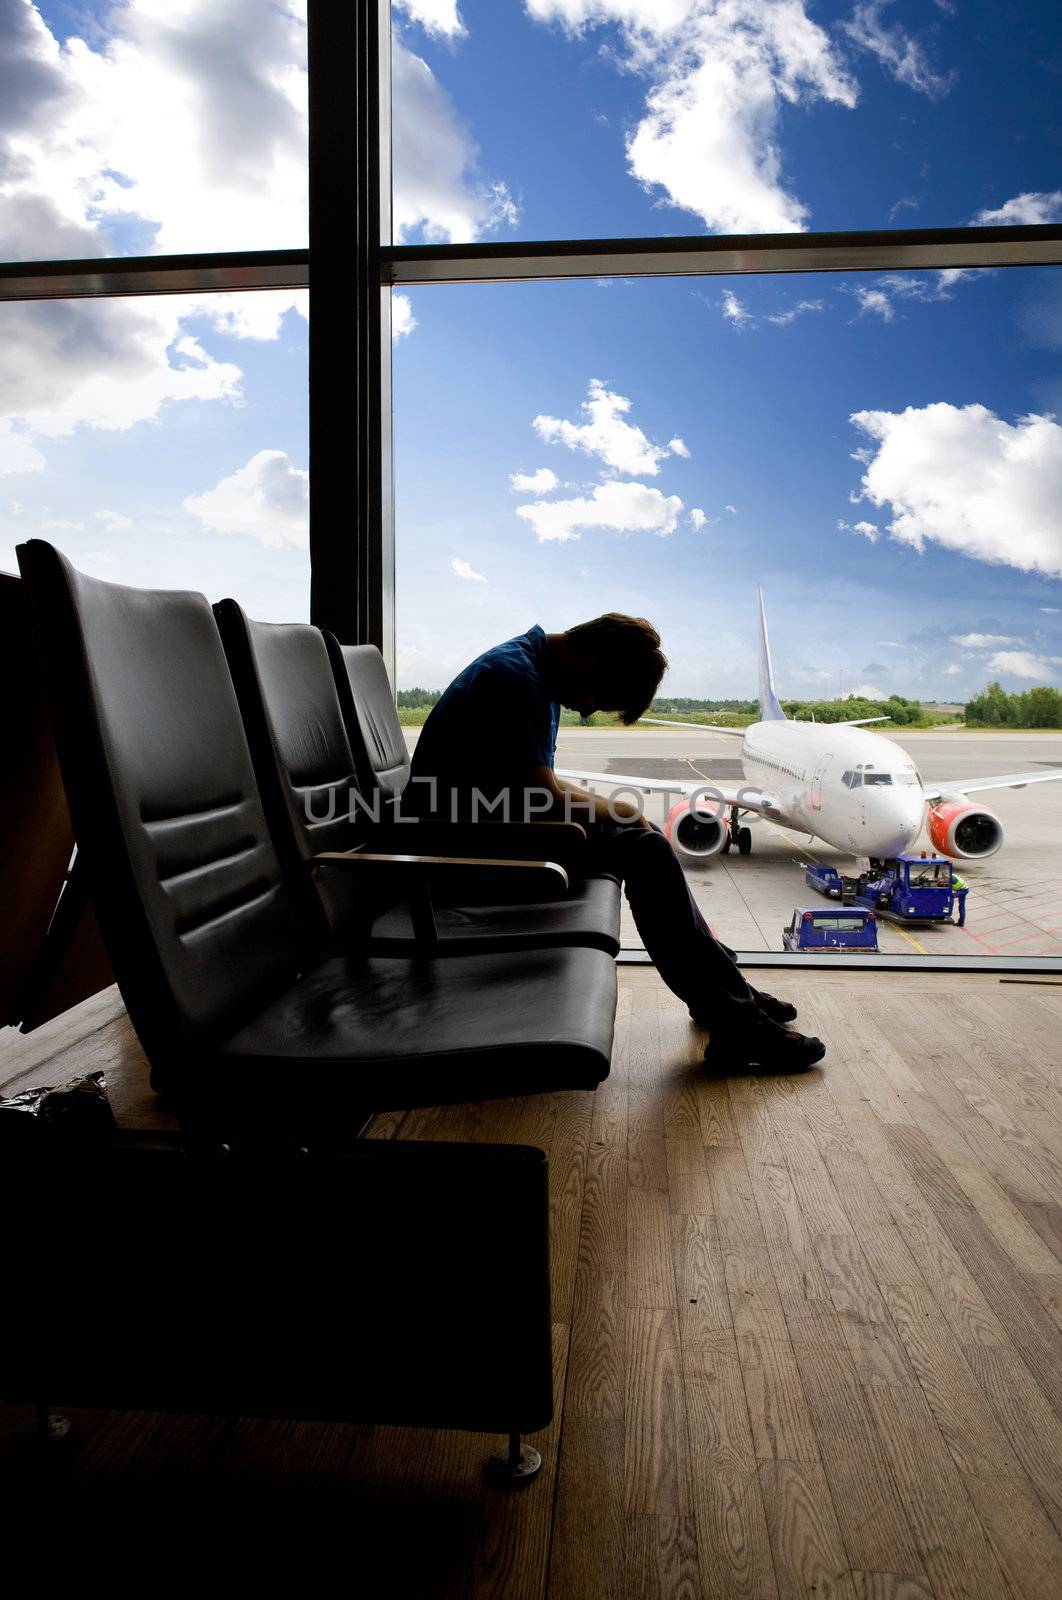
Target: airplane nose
[[893, 823]]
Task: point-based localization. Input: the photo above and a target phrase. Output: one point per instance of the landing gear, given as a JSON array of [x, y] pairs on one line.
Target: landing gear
[[742, 837]]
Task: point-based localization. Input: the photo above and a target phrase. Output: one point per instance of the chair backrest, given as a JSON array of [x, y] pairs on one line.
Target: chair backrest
[[181, 867], [379, 747], [298, 739]]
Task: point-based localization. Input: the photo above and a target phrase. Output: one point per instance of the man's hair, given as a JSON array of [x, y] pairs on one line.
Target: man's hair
[[630, 658]]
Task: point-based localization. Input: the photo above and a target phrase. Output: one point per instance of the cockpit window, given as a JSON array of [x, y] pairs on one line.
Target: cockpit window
[[877, 779], [852, 780], [907, 776]]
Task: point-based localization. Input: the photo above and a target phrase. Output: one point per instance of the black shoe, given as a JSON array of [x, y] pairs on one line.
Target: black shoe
[[771, 1006], [766, 1045]]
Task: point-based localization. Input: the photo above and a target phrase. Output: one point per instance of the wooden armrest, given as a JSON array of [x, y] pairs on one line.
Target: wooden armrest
[[484, 879]]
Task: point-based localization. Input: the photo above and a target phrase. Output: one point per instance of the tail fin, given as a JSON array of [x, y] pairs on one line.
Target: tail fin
[[770, 710]]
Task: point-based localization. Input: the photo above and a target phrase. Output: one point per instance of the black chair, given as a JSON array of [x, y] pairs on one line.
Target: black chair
[[318, 798], [272, 1055]]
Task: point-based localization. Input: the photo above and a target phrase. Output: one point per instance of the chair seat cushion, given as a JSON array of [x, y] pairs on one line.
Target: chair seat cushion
[[381, 1033], [588, 915]]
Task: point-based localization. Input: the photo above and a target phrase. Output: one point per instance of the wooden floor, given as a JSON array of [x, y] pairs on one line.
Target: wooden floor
[[807, 1338]]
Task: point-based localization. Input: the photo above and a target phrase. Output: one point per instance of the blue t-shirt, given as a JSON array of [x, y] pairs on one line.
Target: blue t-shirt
[[493, 724]]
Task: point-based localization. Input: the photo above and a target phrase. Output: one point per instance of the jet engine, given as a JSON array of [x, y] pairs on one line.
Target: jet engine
[[697, 833], [959, 828]]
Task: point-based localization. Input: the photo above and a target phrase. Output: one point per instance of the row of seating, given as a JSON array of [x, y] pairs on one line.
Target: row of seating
[[290, 965]]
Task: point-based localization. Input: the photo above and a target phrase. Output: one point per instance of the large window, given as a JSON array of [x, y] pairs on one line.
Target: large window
[[538, 119], [162, 441], [863, 424], [159, 438], [877, 451]]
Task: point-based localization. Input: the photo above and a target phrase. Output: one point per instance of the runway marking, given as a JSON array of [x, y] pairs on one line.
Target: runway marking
[[922, 951]]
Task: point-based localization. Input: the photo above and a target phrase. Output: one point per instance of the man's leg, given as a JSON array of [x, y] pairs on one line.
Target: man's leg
[[690, 959], [685, 952]]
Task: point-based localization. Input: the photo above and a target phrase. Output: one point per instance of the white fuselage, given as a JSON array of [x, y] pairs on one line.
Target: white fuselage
[[855, 790]]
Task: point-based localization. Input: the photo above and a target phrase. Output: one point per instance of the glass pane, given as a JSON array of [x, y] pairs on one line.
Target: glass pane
[[880, 453], [162, 442], [152, 125], [617, 118]]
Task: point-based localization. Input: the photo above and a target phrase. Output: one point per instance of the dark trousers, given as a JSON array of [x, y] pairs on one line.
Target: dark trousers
[[693, 963]]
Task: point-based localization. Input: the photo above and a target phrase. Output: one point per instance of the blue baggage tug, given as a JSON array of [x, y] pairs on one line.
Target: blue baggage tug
[[918, 890], [845, 928]]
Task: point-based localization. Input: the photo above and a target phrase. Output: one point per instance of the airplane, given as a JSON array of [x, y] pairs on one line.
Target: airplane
[[857, 791]]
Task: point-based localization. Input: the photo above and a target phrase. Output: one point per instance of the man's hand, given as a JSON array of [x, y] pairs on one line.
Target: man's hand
[[579, 805]]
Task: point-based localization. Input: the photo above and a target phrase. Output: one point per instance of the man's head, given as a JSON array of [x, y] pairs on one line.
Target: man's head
[[613, 663]]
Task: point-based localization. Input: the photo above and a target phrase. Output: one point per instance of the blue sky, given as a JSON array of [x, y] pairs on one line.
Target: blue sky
[[925, 566]]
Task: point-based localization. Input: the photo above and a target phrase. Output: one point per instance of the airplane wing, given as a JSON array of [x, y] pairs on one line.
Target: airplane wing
[[702, 727], [1007, 780], [746, 796], [857, 722]]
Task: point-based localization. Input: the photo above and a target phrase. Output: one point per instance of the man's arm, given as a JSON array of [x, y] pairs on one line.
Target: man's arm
[[570, 803]]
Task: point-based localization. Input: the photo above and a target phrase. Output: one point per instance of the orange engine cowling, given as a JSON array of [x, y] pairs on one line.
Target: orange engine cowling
[[959, 828], [697, 833]]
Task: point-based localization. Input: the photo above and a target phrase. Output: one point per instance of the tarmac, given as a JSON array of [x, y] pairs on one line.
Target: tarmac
[[1014, 907], [1015, 902]]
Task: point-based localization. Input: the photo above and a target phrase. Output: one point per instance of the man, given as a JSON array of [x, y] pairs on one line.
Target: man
[[487, 750]]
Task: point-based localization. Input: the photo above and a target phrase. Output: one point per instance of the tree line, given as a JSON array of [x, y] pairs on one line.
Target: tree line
[[899, 710], [1034, 708]]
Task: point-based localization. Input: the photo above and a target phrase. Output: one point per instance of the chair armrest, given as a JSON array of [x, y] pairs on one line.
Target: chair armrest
[[484, 879], [564, 842]]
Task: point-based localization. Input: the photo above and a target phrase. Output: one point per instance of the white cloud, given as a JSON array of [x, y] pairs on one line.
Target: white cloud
[[617, 507], [697, 519], [465, 569], [927, 286], [17, 453], [186, 119], [867, 529], [402, 319], [782, 319], [866, 691], [874, 300], [733, 310], [105, 363], [541, 482], [952, 669], [1051, 611], [435, 186], [731, 509], [61, 525], [268, 500], [1023, 210], [720, 73], [171, 127], [1024, 664], [901, 55], [982, 641], [434, 16], [248, 316], [891, 644], [678, 448], [618, 444], [968, 480], [114, 520]]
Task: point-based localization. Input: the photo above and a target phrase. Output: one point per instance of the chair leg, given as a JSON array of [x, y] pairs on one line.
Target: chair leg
[[515, 1463], [50, 1427]]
